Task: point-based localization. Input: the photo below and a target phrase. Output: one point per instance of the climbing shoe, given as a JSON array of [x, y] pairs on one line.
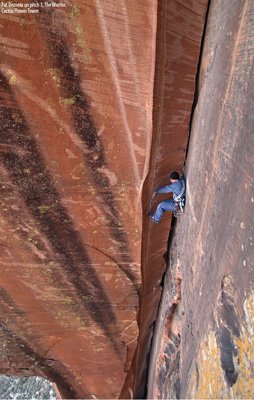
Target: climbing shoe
[[153, 219]]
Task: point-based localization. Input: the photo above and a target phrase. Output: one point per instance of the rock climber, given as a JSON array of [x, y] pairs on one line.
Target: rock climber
[[175, 205]]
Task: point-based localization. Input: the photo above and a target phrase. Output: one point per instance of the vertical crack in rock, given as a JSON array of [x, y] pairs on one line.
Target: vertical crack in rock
[[197, 78], [164, 379]]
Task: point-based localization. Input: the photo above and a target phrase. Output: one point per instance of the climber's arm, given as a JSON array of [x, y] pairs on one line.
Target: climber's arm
[[164, 189]]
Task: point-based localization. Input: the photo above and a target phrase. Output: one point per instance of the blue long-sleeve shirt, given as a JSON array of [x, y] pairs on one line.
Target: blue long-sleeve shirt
[[176, 188]]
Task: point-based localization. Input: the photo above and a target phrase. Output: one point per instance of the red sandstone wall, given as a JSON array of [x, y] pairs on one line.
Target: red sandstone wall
[[204, 336], [75, 136]]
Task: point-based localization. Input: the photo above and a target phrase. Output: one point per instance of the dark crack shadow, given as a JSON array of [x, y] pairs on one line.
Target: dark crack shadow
[[228, 328]]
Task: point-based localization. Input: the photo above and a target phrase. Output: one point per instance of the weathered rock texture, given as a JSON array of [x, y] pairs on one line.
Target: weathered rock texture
[[26, 388], [204, 336], [75, 136]]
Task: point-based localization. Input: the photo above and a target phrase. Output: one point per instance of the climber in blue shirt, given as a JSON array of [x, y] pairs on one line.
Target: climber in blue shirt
[[175, 205]]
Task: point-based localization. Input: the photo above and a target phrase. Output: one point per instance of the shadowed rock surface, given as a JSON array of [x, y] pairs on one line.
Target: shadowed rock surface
[[207, 310]]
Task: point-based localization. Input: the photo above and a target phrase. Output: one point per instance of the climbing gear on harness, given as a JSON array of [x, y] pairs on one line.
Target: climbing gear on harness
[[179, 200]]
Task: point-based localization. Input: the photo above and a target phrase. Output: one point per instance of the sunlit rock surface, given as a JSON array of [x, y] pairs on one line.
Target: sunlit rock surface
[[204, 336], [75, 136]]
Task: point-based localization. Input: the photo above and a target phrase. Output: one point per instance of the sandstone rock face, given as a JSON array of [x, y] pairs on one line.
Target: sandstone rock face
[[207, 311], [76, 118]]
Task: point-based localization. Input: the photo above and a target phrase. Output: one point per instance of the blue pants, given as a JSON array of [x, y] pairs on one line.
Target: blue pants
[[167, 205]]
